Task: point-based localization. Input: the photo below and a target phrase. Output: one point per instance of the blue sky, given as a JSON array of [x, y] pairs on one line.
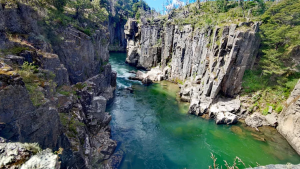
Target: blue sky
[[157, 4]]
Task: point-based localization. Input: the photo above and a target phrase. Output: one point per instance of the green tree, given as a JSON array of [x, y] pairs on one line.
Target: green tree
[[281, 34], [59, 4], [222, 5], [79, 6]]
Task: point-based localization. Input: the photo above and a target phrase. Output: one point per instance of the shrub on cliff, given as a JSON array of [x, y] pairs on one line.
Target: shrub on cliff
[[34, 81]]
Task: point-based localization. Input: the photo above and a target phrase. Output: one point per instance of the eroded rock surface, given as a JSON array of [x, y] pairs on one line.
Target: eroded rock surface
[[62, 101], [27, 156], [289, 119], [256, 120]]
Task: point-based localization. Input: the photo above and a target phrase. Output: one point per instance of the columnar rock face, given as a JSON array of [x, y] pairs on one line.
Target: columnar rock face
[[208, 61], [144, 44], [288, 120], [117, 36], [132, 34]]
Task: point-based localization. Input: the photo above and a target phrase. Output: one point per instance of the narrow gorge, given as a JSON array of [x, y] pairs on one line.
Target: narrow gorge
[[70, 97]]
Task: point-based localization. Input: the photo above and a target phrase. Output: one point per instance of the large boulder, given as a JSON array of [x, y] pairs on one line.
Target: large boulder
[[149, 77], [256, 120], [272, 119], [224, 117], [226, 105], [44, 159]]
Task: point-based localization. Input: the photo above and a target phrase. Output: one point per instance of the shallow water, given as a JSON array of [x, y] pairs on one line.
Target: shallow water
[[154, 131]]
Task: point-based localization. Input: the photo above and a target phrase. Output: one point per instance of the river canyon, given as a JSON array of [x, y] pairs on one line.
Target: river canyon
[[154, 130], [190, 85]]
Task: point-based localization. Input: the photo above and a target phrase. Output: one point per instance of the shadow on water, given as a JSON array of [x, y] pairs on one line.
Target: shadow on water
[[153, 129]]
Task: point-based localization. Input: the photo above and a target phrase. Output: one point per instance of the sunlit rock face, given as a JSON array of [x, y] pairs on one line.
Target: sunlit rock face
[[208, 62], [288, 120]]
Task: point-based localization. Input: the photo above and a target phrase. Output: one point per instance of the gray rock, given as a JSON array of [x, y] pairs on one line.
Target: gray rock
[[270, 110], [45, 159], [256, 120], [272, 119], [82, 55], [224, 117], [18, 60], [147, 81], [226, 105], [288, 119], [51, 62], [27, 156]]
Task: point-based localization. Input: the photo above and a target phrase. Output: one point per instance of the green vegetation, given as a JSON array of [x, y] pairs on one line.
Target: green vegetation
[[267, 92], [80, 86], [279, 108], [280, 33], [178, 81], [66, 90], [70, 122], [237, 163], [59, 4], [34, 81], [220, 12], [14, 50], [276, 74]]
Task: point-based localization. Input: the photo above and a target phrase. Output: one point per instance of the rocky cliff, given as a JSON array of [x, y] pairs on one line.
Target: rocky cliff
[[54, 86], [288, 120], [209, 62]]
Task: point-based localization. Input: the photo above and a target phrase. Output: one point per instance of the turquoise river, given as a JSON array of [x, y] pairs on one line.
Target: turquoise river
[[154, 131]]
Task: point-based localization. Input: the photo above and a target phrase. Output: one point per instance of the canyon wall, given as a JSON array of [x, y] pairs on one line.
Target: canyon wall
[[208, 62], [288, 120], [59, 100]]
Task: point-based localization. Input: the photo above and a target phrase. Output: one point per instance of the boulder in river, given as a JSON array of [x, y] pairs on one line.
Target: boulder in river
[[256, 120], [148, 78], [272, 119], [226, 105], [224, 117]]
